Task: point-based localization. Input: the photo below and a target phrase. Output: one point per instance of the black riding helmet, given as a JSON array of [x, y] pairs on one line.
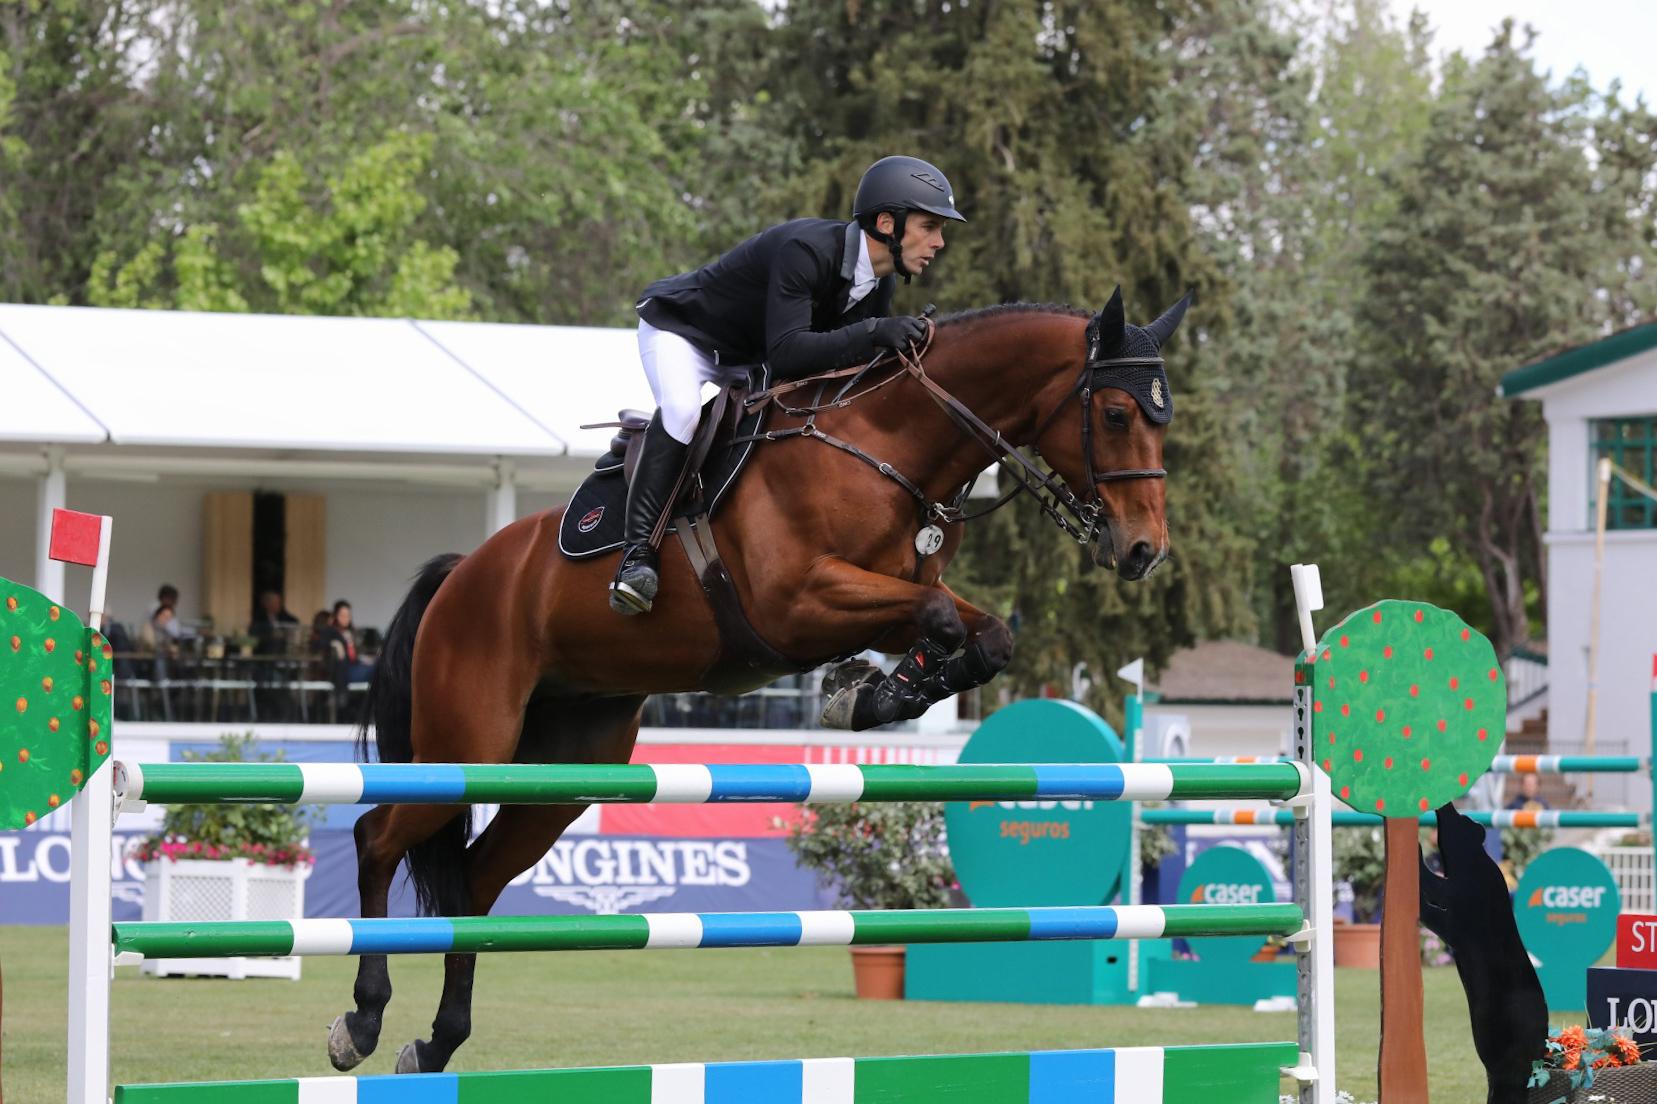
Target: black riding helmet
[[901, 185]]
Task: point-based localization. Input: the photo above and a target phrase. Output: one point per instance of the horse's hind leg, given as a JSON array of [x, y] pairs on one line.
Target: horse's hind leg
[[383, 836], [554, 732]]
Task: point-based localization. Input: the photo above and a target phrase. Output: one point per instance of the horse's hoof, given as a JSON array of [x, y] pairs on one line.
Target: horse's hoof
[[840, 708], [849, 675], [408, 1059], [342, 1049]]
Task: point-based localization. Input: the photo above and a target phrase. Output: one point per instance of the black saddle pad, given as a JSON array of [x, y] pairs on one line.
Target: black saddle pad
[[592, 522]]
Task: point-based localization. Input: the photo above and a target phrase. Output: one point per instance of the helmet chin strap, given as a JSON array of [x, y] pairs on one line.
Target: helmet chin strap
[[894, 242]]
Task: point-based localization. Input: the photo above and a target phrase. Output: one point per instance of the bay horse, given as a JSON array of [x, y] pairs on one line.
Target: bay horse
[[512, 654]]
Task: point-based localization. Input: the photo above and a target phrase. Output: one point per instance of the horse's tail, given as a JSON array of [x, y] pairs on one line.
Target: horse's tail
[[436, 866]]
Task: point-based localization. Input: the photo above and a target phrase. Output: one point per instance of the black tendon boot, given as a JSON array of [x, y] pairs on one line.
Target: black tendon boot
[[661, 459]]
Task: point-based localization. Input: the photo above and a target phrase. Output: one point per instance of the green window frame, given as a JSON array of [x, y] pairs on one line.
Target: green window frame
[[1631, 444]]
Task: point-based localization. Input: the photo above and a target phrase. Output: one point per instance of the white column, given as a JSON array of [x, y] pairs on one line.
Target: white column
[[53, 493], [503, 498], [90, 962]]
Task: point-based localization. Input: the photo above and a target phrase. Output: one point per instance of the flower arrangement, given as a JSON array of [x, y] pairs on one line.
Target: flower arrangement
[[1578, 1052], [271, 835]]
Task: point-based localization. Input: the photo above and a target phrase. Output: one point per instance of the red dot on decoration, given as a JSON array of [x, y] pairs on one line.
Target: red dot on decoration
[[11, 603], [1423, 804], [28, 818], [91, 665], [75, 777], [52, 801], [1468, 703], [1317, 707], [105, 686], [22, 755], [101, 748], [51, 645], [1426, 764], [1387, 651], [1406, 732], [1346, 792], [1461, 779], [1467, 634], [1415, 691], [1443, 724], [46, 684], [1346, 710], [1455, 683], [1380, 715], [92, 728], [16, 643], [77, 701], [80, 657], [1331, 682], [1344, 641], [22, 705], [52, 725], [1376, 617], [1331, 737], [1483, 735], [1494, 672], [1363, 676], [1326, 765], [1428, 653], [1300, 676], [1420, 617], [52, 613], [1358, 755], [1387, 762], [1380, 803], [1326, 653]]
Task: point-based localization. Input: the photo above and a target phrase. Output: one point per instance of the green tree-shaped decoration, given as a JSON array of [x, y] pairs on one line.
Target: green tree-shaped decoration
[[55, 704], [1408, 708]]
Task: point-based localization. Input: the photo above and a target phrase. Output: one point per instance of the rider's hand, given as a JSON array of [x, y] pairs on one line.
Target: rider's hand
[[899, 332]]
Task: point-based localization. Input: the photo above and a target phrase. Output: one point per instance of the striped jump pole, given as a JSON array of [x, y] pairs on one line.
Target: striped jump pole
[[1502, 818], [556, 784], [472, 934], [1246, 1072]]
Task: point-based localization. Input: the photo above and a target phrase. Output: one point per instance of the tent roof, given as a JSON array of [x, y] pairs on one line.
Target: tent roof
[[183, 379]]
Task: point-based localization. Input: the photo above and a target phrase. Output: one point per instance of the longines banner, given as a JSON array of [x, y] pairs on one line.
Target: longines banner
[[616, 858]]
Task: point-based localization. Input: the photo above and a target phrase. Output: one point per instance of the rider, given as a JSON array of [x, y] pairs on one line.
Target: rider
[[807, 296]]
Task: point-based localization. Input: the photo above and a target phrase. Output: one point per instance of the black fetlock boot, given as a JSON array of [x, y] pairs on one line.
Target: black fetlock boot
[[661, 459]]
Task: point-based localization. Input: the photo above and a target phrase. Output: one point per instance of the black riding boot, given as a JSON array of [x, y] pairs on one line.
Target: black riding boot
[[660, 461]]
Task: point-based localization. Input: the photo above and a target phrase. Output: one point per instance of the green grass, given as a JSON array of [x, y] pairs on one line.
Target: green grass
[[626, 1007]]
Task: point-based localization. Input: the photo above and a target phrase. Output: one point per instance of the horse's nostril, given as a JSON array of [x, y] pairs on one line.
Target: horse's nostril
[[1139, 558]]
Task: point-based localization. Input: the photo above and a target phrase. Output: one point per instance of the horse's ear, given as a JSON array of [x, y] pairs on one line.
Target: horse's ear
[[1163, 328], [1105, 329]]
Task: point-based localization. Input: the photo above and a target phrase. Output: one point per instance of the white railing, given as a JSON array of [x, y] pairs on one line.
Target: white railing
[[1631, 867]]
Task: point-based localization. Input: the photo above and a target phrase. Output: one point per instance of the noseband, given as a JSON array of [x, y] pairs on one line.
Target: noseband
[[1078, 517]]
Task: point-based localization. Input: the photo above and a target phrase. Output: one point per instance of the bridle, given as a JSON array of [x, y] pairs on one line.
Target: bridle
[[1079, 517]]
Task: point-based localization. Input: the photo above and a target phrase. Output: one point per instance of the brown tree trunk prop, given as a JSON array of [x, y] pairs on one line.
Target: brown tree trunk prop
[[1403, 1063], [1408, 708]]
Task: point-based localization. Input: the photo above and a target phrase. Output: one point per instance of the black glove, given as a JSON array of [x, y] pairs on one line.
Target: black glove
[[898, 332]]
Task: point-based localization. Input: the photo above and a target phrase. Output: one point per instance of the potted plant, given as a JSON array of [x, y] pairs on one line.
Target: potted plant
[[227, 862], [877, 856], [1360, 862], [1592, 1064]]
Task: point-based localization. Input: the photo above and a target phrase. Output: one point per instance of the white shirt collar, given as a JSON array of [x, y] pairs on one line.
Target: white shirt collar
[[863, 279]]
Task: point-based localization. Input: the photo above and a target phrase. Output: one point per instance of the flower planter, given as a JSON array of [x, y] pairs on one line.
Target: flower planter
[[1358, 945], [878, 972], [223, 889], [1620, 1085]]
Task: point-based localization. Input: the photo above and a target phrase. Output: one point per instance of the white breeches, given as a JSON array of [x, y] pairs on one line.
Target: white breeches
[[676, 370]]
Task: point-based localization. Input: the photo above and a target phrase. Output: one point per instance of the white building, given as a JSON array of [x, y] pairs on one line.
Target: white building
[[1600, 400]]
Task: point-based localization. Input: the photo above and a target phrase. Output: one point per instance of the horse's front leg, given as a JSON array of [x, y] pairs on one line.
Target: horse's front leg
[[856, 604], [987, 651]]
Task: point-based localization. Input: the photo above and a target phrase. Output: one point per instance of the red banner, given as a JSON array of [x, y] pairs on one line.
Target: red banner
[[1637, 941]]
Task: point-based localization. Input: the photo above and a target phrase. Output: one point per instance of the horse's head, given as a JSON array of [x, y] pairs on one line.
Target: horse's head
[[1107, 442]]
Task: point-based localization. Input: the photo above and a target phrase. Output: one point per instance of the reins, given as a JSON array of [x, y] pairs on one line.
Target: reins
[[1051, 492]]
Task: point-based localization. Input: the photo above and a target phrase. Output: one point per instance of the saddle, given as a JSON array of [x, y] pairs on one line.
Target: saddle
[[724, 440]]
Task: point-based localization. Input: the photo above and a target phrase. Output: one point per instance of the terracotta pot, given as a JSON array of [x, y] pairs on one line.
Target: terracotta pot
[[1358, 945], [878, 972]]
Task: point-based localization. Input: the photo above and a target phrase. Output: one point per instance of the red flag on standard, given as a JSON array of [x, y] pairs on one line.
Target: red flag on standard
[[75, 537]]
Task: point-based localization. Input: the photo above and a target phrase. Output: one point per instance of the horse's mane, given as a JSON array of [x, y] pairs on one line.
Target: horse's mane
[[980, 313]]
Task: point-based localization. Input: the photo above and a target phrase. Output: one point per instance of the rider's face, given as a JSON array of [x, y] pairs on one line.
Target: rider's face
[[923, 237]]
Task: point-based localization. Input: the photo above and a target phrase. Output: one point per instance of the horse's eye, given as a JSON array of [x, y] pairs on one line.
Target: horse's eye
[[1116, 418]]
